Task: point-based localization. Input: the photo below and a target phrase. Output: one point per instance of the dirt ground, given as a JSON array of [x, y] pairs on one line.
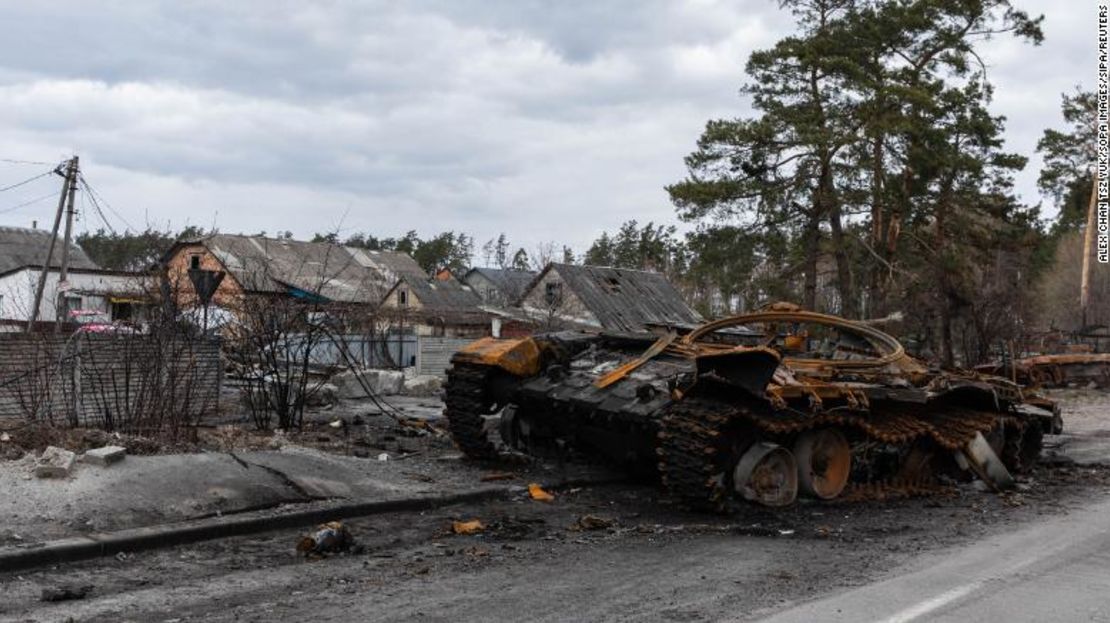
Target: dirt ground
[[615, 551]]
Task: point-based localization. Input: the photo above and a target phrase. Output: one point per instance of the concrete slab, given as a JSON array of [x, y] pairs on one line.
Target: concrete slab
[[55, 463], [105, 456]]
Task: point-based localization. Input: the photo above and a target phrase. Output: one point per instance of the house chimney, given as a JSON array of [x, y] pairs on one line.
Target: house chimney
[[34, 224]]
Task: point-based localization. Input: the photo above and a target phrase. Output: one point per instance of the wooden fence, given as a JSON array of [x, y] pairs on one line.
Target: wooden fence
[[129, 383]]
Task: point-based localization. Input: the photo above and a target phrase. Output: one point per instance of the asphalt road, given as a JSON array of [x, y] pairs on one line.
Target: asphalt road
[[1058, 570], [1040, 553]]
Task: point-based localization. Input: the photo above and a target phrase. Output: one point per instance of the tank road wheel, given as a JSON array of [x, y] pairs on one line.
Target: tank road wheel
[[468, 401], [767, 474], [824, 462]]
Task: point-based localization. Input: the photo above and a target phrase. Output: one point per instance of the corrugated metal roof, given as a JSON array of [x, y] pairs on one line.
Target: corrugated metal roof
[[626, 300], [339, 273], [20, 247]]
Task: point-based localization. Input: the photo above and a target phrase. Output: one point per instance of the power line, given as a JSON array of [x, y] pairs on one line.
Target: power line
[[14, 161], [27, 203], [92, 199], [28, 180], [97, 199]]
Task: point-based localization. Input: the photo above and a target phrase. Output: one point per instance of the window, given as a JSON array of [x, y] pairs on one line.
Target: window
[[72, 304], [553, 293], [194, 262], [122, 311], [403, 297]]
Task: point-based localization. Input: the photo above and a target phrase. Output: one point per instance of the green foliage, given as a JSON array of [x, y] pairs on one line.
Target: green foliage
[[870, 176], [1073, 206], [1069, 159], [449, 250], [651, 247], [520, 261], [133, 251]]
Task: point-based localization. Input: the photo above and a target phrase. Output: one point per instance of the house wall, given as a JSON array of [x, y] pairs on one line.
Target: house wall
[[229, 295], [568, 309], [392, 300], [421, 325], [17, 292], [486, 289]]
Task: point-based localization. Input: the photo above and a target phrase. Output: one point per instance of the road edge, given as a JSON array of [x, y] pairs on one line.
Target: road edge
[[95, 545]]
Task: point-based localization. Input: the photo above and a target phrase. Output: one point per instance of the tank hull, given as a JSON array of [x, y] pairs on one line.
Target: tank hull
[[722, 417]]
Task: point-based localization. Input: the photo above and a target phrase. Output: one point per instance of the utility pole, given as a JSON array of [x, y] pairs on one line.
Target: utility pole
[[63, 272], [1088, 236], [70, 179]]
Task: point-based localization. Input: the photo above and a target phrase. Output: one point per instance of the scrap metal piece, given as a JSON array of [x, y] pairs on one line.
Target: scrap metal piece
[[982, 460], [619, 373], [66, 592], [519, 357], [749, 368], [474, 526], [328, 538]]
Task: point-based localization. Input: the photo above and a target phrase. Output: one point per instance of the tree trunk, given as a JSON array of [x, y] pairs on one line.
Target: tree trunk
[[876, 303], [948, 359], [946, 301], [812, 239], [848, 307]]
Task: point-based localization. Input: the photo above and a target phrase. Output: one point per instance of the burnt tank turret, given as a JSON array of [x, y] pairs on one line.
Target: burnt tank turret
[[758, 407]]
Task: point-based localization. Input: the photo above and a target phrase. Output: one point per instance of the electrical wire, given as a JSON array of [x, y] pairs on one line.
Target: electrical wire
[[96, 205], [27, 203], [15, 161], [97, 199], [28, 180]]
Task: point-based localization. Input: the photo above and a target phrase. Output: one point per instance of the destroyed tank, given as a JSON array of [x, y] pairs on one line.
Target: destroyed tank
[[759, 407], [1057, 370]]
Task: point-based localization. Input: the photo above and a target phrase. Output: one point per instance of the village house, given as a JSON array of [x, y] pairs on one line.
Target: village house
[[436, 307], [90, 295], [497, 286], [256, 266], [613, 299]]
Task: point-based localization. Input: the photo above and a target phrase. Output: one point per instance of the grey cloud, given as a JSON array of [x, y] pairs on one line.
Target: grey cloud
[[547, 120]]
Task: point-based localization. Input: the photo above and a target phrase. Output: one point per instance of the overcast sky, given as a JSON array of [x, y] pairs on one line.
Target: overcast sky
[[550, 121]]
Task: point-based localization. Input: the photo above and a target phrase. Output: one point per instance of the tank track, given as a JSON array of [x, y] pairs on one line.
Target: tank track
[[466, 404], [691, 465], [1021, 447], [694, 440]]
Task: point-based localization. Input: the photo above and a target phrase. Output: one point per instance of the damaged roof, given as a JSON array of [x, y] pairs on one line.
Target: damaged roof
[[511, 282], [21, 247], [623, 299], [335, 272], [441, 296]]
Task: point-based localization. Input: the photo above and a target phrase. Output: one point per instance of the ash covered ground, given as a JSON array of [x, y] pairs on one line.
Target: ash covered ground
[[603, 549]]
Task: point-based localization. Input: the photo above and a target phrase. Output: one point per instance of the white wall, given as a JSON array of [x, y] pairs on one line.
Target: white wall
[[17, 292]]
